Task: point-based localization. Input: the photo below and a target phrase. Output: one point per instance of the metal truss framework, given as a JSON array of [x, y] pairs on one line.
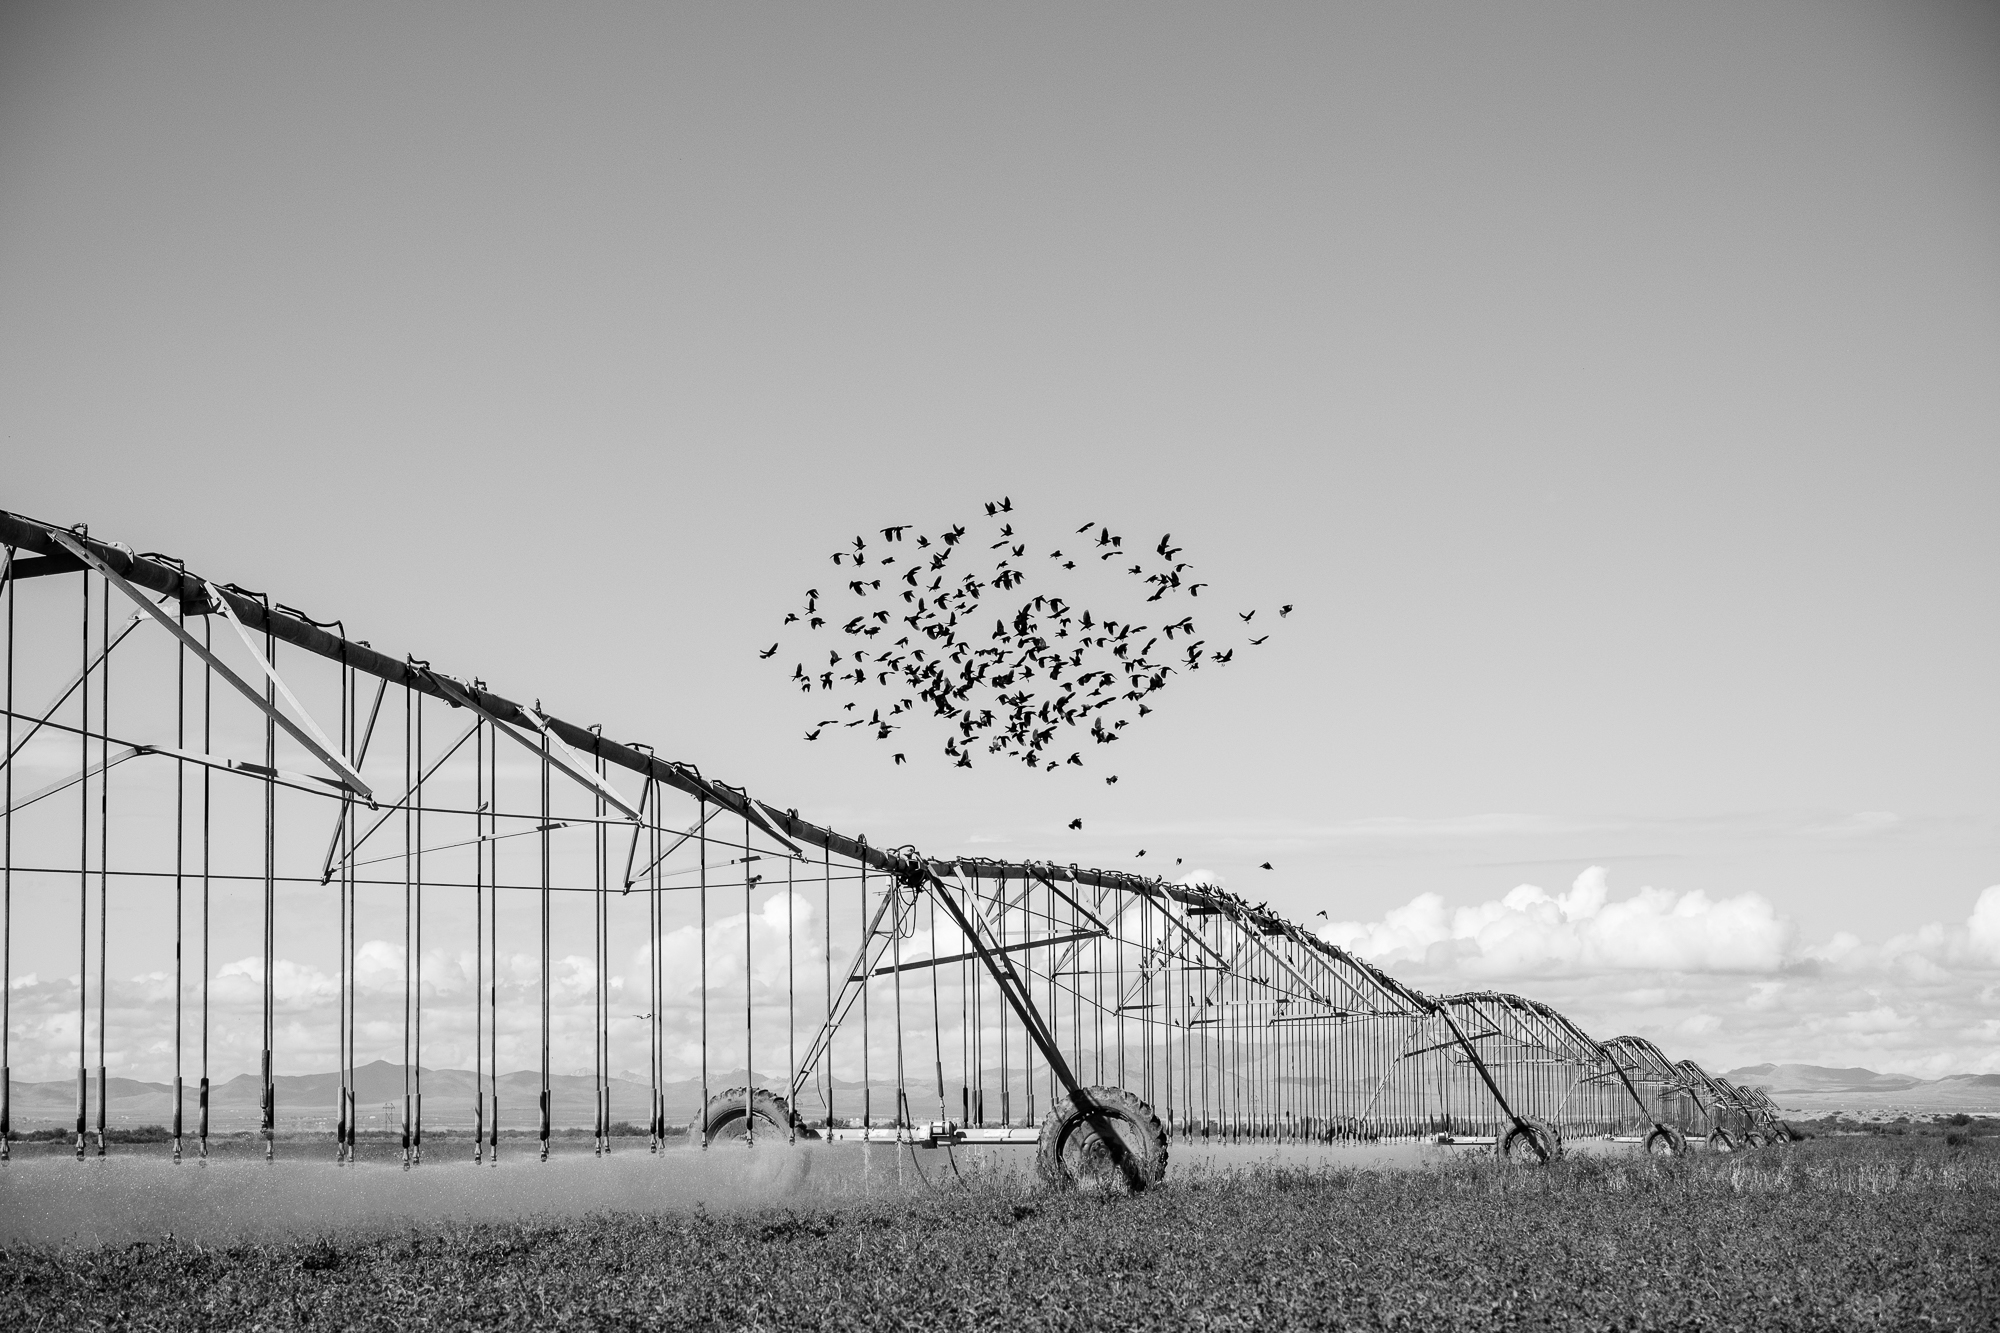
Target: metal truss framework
[[977, 995]]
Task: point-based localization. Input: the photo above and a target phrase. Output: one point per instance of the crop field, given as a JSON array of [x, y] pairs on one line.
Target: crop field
[[1847, 1232]]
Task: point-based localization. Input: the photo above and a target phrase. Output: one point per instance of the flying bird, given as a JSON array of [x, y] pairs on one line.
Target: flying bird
[[1285, 610], [1265, 866], [1076, 823], [813, 735], [768, 651]]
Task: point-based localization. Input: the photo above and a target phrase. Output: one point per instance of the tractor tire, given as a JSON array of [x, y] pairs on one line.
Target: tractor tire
[[1723, 1141], [1755, 1139], [728, 1117], [1666, 1141], [1517, 1144], [1071, 1155]]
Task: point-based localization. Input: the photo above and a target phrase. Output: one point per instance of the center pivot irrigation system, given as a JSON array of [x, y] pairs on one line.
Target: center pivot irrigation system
[[248, 753]]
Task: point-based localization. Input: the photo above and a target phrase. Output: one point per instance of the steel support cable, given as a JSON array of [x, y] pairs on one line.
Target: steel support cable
[[80, 680], [401, 805]]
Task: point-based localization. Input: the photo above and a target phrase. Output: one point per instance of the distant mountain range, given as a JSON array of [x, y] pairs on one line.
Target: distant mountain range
[[1819, 1083], [449, 1097]]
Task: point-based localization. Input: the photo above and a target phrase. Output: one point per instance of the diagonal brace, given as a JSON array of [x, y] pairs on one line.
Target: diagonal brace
[[348, 777]]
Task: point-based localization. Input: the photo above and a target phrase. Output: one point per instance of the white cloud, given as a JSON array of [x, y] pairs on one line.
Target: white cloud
[[1529, 933], [1728, 981], [1983, 929]]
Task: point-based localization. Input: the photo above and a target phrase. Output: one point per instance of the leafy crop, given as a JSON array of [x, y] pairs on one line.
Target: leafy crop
[[1849, 1233]]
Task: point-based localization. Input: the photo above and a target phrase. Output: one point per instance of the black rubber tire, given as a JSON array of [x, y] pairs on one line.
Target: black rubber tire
[[1070, 1155], [1666, 1141], [1755, 1139], [1516, 1145], [1722, 1140], [724, 1117]]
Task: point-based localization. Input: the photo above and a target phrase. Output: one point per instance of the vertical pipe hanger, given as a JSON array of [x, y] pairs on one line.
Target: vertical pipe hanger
[[207, 866], [7, 885], [416, 872], [409, 840], [83, 898], [546, 1109], [180, 867], [491, 850], [479, 802], [270, 1091], [749, 999], [103, 872]]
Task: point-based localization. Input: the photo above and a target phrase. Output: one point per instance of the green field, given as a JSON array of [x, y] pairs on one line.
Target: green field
[[1845, 1232]]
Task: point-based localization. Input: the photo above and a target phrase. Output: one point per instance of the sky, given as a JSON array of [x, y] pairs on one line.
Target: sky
[[1610, 387]]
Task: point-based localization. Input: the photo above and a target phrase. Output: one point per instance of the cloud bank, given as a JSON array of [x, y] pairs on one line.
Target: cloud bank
[[1725, 980]]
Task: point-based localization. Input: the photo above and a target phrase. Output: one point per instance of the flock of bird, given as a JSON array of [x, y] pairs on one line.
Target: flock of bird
[[919, 624]]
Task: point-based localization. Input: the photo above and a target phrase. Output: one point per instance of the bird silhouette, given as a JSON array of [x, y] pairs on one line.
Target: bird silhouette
[[900, 759], [1076, 823], [768, 652], [1285, 610], [813, 735], [1265, 866]]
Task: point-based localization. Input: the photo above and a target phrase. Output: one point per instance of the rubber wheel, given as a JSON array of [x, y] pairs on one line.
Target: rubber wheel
[[1754, 1140], [1517, 1144], [724, 1117], [1666, 1141], [1071, 1153], [1722, 1141]]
